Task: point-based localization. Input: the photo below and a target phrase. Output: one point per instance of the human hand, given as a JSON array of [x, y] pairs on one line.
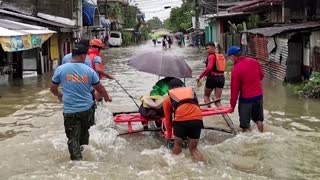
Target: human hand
[[60, 97], [109, 76], [231, 109], [199, 83]]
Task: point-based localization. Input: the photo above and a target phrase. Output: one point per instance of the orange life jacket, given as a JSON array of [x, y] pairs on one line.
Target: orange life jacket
[[92, 54], [183, 95], [219, 65]]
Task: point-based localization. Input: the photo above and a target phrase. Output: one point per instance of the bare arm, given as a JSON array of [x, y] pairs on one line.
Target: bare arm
[[102, 91], [101, 71], [54, 90]]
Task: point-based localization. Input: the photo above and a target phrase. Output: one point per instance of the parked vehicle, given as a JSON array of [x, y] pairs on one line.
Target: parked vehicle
[[115, 39]]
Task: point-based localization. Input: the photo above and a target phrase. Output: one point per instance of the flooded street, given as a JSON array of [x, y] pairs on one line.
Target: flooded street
[[34, 146]]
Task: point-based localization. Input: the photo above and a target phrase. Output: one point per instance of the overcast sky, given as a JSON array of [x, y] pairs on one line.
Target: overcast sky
[[155, 8]]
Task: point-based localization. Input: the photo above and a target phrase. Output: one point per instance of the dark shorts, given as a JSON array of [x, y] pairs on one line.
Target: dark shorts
[[77, 127], [250, 111], [215, 82], [188, 129]]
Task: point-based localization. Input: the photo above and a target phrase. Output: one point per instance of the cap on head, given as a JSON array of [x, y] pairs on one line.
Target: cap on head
[[97, 43], [79, 49], [85, 42], [234, 50]]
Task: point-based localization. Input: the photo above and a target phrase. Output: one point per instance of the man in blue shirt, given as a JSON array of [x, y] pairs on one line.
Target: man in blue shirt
[[68, 57], [77, 80]]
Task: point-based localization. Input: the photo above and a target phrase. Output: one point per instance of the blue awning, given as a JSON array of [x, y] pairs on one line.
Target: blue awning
[[88, 12]]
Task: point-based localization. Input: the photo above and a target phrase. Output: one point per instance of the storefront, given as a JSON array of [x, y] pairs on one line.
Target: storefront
[[24, 50]]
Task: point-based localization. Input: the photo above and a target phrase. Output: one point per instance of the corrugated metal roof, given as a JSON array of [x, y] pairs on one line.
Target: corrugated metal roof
[[253, 5], [273, 64], [272, 31], [225, 14], [8, 32], [32, 18], [13, 25], [12, 28]]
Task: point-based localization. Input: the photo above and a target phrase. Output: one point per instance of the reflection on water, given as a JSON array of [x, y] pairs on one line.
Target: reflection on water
[[33, 143]]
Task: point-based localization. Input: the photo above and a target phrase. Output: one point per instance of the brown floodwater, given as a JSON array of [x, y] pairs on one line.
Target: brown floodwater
[[34, 146]]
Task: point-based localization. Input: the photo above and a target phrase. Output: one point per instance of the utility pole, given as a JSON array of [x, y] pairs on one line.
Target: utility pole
[[197, 12], [217, 7], [197, 23]]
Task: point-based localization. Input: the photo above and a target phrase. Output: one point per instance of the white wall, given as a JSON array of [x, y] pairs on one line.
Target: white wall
[[203, 22]]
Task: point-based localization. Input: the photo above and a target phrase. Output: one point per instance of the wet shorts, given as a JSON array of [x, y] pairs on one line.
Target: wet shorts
[[188, 129], [250, 111], [215, 82]]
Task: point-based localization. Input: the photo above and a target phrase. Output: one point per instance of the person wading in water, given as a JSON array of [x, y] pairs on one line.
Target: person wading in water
[[77, 81]]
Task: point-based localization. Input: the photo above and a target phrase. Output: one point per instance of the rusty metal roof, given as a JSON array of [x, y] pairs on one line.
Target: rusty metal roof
[[272, 31], [254, 4]]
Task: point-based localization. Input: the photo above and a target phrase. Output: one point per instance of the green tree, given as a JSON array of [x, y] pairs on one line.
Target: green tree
[[115, 10], [129, 16], [253, 21], [154, 23], [181, 18], [166, 24]]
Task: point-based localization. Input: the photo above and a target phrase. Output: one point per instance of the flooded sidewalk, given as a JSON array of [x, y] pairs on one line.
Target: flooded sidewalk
[[34, 145]]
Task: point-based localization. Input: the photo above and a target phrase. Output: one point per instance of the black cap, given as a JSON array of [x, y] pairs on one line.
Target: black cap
[[79, 49], [85, 42]]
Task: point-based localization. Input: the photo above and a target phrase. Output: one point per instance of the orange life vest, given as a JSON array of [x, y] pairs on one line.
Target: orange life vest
[[219, 65], [92, 54], [183, 95]]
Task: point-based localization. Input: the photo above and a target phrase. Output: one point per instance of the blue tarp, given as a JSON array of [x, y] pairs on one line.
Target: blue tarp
[[88, 12]]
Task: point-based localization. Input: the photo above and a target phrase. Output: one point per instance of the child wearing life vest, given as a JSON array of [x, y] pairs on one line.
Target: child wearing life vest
[[182, 112]]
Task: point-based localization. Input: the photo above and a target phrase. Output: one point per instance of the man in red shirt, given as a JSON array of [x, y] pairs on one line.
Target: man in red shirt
[[246, 79], [215, 78]]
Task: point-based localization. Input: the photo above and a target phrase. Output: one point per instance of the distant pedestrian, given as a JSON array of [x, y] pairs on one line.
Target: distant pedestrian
[[169, 41], [101, 37], [77, 80], [246, 79], [154, 42], [164, 42]]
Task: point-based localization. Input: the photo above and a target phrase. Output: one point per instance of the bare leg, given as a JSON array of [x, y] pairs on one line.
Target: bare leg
[[177, 148], [217, 93], [246, 130], [196, 154], [207, 93], [260, 126]]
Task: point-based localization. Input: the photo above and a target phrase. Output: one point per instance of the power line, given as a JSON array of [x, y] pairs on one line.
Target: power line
[[157, 3], [157, 7]]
